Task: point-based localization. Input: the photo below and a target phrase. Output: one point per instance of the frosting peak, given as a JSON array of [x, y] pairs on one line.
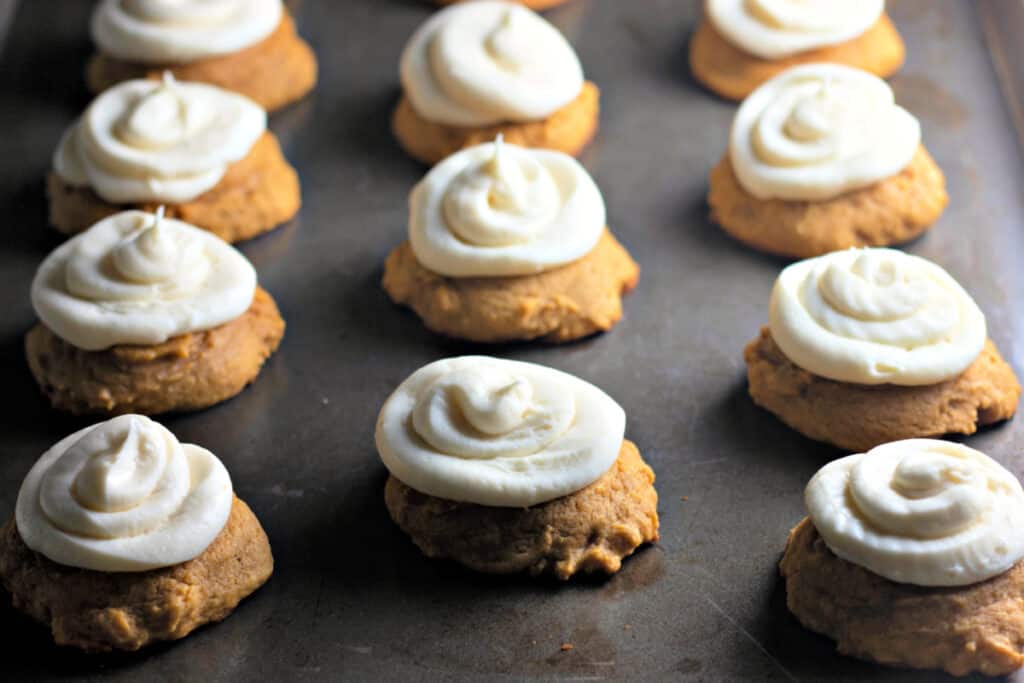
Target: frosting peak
[[497, 209], [487, 62], [123, 495], [136, 278], [921, 511], [497, 432], [181, 31], [875, 316], [773, 29], [816, 131]]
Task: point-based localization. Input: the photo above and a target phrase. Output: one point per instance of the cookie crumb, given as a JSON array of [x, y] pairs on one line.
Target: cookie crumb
[[686, 498], [567, 646], [627, 627]]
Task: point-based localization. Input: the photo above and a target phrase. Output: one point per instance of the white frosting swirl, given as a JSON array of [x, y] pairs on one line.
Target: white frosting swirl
[[486, 62], [816, 131], [920, 511], [123, 496], [497, 209], [152, 141], [497, 432], [773, 29], [875, 316], [181, 31], [135, 278]]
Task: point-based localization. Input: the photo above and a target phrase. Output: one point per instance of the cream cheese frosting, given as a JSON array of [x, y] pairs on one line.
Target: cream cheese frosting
[[486, 62], [920, 511], [181, 31], [138, 278], [818, 130], [123, 496], [499, 210], [153, 141], [498, 432], [875, 316], [773, 29]]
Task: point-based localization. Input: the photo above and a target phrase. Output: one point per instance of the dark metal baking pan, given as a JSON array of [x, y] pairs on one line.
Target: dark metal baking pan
[[351, 597]]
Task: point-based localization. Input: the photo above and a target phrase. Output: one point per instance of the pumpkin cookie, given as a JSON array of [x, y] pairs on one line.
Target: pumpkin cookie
[[870, 346], [253, 50], [509, 467], [739, 45], [507, 244], [911, 557], [479, 69], [806, 181], [76, 568], [176, 323]]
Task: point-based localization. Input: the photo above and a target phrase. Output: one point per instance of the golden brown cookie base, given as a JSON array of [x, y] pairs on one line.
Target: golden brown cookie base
[[976, 628], [568, 130], [733, 73], [570, 302], [532, 4], [103, 611], [274, 72], [891, 211], [591, 530], [858, 417], [187, 372], [256, 195]]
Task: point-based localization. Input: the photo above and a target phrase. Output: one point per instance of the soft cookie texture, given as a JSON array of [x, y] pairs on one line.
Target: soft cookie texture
[[256, 195], [975, 628], [891, 211], [568, 130], [558, 305], [591, 530], [187, 372], [275, 72], [859, 417], [103, 611], [733, 73]]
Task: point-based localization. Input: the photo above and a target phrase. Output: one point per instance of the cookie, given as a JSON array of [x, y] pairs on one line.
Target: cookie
[[103, 611], [568, 130], [858, 417], [274, 72], [568, 302], [187, 372], [254, 196], [733, 73], [975, 628], [591, 530], [890, 211]]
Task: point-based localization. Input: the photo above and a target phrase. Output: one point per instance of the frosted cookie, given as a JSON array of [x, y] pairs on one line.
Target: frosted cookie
[[911, 557], [507, 244], [246, 46], [509, 467], [203, 153], [122, 537], [821, 158], [144, 314], [740, 44], [479, 69], [867, 346]]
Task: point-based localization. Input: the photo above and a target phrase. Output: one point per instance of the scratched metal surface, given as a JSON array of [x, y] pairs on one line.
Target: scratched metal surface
[[351, 596]]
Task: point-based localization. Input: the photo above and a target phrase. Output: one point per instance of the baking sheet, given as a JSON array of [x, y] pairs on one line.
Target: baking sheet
[[351, 597]]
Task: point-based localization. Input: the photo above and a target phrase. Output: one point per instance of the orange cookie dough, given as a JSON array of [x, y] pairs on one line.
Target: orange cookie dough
[[976, 628], [568, 130], [733, 73], [591, 530], [891, 211], [103, 611], [566, 303], [187, 372], [532, 4], [256, 195], [858, 417], [275, 72]]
